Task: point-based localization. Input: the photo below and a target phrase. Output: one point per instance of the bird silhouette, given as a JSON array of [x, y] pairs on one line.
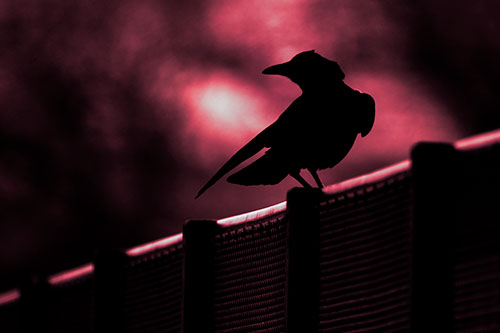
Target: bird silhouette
[[315, 132]]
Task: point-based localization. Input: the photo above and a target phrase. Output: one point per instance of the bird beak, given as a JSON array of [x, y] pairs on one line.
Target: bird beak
[[281, 69]]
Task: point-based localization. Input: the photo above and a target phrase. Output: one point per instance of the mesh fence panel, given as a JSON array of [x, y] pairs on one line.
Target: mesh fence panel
[[477, 292], [476, 273], [153, 291], [249, 276], [365, 258]]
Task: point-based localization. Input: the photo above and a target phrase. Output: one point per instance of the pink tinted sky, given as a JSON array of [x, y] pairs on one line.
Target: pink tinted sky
[[116, 113], [225, 107]]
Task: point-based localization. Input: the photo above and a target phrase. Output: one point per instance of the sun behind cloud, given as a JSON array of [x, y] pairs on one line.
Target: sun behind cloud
[[223, 113]]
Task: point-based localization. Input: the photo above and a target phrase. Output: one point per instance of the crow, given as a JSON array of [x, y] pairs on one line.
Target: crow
[[315, 132]]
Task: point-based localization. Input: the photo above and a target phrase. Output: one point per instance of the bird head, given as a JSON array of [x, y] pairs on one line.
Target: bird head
[[308, 69]]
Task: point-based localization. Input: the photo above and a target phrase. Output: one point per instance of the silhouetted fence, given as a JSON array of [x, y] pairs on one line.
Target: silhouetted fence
[[412, 247]]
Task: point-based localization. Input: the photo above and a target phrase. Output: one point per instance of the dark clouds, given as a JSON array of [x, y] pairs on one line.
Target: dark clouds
[[115, 113], [458, 48]]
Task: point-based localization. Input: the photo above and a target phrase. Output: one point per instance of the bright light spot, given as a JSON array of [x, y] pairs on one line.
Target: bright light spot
[[224, 112], [224, 106]]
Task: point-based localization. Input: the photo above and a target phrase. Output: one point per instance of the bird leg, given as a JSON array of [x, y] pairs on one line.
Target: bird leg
[[301, 180], [316, 178]]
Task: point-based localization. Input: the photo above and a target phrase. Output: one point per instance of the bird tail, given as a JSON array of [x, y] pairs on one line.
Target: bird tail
[[251, 148], [267, 170]]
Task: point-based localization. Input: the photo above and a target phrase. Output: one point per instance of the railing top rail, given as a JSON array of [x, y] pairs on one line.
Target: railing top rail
[[71, 274], [254, 215], [9, 296], [368, 178], [154, 245], [480, 140]]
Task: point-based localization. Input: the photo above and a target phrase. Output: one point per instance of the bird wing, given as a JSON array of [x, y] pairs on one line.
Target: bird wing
[[366, 105], [265, 139], [267, 170], [251, 148]]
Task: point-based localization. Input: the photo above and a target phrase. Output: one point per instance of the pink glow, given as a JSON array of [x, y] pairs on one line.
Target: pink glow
[[251, 24], [71, 274], [368, 178], [251, 216], [479, 140], [407, 112], [223, 111], [225, 105], [155, 245], [9, 296]]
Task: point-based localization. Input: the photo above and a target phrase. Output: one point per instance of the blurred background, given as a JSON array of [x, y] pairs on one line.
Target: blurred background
[[115, 113]]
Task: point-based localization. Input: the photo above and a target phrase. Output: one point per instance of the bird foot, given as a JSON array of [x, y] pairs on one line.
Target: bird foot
[[316, 178], [301, 180]]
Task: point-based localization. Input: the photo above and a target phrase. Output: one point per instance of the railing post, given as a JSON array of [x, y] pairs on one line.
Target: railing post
[[302, 294], [198, 238], [433, 169], [35, 303], [109, 273]]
